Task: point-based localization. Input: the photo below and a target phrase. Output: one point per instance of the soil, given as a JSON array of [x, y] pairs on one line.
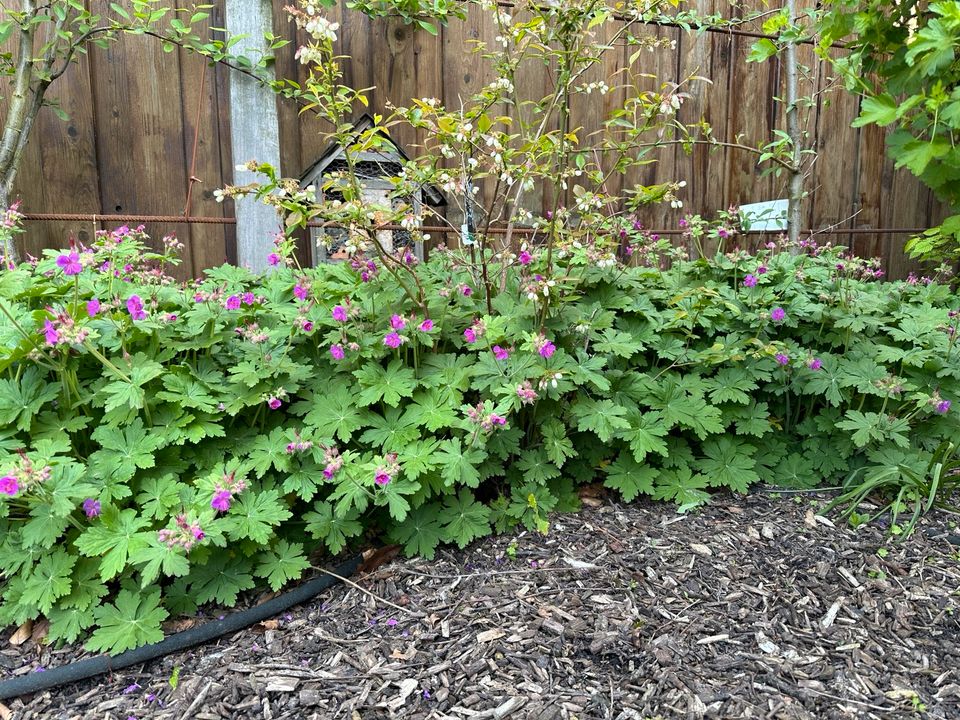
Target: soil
[[755, 607]]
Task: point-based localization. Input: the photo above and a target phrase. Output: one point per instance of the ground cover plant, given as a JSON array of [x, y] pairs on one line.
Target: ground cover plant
[[171, 445]]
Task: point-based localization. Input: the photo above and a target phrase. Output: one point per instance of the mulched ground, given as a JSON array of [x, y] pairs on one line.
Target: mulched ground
[[749, 608]]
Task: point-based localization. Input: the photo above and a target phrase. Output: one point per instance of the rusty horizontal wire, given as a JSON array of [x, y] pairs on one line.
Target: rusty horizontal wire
[[182, 220]]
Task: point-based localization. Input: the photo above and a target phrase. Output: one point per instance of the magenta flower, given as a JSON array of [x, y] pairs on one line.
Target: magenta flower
[[397, 322], [248, 298], [815, 364], [300, 292], [93, 307], [392, 340], [497, 420], [274, 403], [198, 534], [307, 326], [762, 270], [782, 358], [382, 477], [337, 351], [233, 303], [9, 485], [70, 263], [339, 313], [778, 314], [547, 348], [750, 281], [273, 259], [135, 308], [501, 353], [470, 335], [50, 333], [466, 290], [91, 507], [943, 407], [221, 500], [525, 258], [426, 325]]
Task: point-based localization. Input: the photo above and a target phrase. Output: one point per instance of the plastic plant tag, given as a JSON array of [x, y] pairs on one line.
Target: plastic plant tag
[[770, 215]]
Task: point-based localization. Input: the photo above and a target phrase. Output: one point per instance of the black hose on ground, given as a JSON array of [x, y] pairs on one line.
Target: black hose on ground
[[233, 622]]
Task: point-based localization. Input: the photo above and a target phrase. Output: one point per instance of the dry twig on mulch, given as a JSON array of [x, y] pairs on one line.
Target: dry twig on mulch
[[754, 608]]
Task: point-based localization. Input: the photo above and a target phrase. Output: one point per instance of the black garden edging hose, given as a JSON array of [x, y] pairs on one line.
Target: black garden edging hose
[[181, 641]]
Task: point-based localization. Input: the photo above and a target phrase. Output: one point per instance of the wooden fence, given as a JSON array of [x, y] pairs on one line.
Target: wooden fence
[[135, 111]]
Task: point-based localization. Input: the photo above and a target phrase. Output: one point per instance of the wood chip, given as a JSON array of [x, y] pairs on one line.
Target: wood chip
[[713, 639], [490, 635], [831, 615], [701, 549], [22, 634]]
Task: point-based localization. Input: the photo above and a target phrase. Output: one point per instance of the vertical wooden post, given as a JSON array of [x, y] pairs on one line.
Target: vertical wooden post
[[794, 214], [254, 130]]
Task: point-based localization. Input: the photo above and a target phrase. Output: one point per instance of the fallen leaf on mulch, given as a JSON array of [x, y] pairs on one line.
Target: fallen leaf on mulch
[[22, 634]]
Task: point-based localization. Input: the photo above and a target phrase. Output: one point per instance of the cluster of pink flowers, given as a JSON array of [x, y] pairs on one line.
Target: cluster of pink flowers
[[23, 476], [366, 268], [252, 333], [225, 490], [298, 445], [850, 265], [333, 460], [912, 279], [135, 308], [526, 393], [544, 346], [62, 330], [234, 301], [185, 535], [477, 330], [479, 416], [386, 472]]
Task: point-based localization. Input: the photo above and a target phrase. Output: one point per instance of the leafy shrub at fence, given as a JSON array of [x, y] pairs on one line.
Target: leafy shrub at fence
[[166, 445]]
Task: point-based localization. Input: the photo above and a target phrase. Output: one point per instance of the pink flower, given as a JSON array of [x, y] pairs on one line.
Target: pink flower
[[9, 485], [198, 534], [762, 270], [942, 407], [91, 507], [382, 477], [300, 292], [337, 351], [426, 325], [526, 393], [545, 347], [397, 322], [306, 325], [778, 314], [70, 262], [750, 281], [339, 313], [525, 258], [466, 290], [135, 308], [782, 358], [501, 353], [221, 500], [232, 303], [93, 307], [248, 298], [50, 333], [273, 259], [274, 403], [392, 340], [815, 364], [470, 335]]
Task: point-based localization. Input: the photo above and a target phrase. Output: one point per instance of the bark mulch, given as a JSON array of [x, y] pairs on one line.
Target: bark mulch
[[749, 608]]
